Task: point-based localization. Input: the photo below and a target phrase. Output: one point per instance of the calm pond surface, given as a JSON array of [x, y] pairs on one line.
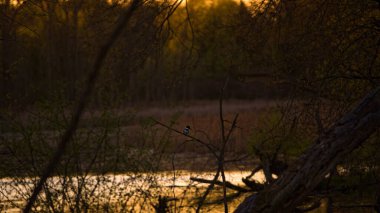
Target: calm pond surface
[[120, 191], [128, 192]]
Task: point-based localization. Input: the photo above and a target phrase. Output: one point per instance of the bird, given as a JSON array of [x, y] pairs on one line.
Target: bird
[[186, 130]]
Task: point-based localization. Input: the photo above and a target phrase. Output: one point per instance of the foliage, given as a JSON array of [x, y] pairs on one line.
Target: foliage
[[277, 135]]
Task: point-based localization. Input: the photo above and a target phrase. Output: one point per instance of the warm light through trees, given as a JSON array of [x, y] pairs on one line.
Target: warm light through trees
[[309, 62]]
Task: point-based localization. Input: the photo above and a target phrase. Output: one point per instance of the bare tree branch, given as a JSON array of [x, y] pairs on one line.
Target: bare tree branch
[[224, 141], [210, 147], [219, 183]]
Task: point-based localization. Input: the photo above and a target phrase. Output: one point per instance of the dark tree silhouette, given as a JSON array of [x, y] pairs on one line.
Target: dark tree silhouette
[[331, 147]]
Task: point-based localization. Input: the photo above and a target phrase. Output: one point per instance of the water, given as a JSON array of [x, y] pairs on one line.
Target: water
[[130, 192], [137, 192]]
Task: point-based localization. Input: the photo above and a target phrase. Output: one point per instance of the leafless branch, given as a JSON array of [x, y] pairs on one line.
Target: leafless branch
[[210, 147], [219, 183]]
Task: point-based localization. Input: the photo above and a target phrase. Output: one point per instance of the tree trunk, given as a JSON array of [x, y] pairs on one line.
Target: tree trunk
[[377, 201], [312, 167], [73, 58], [6, 48], [50, 54]]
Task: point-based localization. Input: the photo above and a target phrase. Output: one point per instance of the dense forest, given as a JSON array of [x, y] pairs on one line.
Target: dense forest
[[180, 51], [92, 89]]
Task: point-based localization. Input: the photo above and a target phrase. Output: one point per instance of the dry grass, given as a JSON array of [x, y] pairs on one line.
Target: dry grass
[[203, 117], [133, 129]]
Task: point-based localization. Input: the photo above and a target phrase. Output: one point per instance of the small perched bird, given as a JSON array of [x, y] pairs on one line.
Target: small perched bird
[[186, 131]]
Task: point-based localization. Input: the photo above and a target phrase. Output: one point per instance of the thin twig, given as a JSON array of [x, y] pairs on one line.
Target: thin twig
[[208, 190], [210, 147], [224, 141]]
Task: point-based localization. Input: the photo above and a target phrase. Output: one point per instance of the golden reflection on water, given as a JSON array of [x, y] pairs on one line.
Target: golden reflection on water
[[173, 184], [113, 191]]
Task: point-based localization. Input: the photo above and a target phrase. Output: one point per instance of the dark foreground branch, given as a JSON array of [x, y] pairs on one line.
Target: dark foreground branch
[[220, 183], [331, 147], [82, 103]]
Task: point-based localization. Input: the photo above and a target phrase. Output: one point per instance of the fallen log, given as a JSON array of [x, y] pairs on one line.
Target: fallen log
[[352, 206], [302, 177]]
